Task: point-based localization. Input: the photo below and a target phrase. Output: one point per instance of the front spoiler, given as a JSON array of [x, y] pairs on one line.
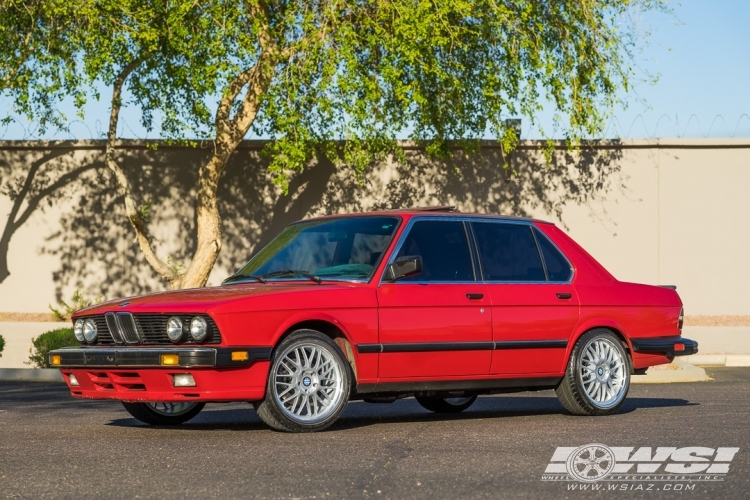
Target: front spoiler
[[665, 345], [151, 357]]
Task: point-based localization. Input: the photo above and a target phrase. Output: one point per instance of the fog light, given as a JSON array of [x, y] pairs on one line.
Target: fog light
[[73, 380], [183, 380], [240, 356], [679, 347], [55, 360], [170, 359]]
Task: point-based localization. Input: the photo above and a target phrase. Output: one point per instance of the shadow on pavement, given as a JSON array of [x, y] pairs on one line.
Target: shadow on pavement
[[360, 414]]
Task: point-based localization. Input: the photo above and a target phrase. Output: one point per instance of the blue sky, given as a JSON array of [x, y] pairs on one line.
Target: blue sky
[[702, 55]]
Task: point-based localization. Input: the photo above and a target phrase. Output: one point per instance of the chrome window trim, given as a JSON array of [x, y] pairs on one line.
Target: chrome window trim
[[402, 239], [472, 239]]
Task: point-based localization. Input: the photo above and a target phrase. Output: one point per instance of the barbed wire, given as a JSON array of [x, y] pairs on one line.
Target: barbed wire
[[613, 130], [614, 127]]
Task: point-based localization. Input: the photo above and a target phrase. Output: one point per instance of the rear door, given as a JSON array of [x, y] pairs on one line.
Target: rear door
[[435, 325], [534, 306]]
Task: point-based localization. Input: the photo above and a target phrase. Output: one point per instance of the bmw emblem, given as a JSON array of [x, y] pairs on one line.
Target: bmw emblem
[[306, 381]]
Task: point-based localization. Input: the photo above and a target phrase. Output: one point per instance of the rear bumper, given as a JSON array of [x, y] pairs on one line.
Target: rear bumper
[[667, 346]]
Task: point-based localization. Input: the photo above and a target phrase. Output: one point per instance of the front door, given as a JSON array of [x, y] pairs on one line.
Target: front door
[[534, 306], [436, 324]]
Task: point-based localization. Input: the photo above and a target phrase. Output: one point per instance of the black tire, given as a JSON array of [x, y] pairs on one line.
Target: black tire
[[152, 416], [446, 405], [272, 410], [572, 392]]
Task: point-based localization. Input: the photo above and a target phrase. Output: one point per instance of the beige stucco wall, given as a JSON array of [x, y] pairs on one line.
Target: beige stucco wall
[[653, 211]]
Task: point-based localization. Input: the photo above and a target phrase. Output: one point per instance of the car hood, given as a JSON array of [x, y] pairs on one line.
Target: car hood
[[200, 300]]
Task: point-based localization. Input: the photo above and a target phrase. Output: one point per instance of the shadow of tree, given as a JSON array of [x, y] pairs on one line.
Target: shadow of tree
[[98, 255], [50, 177]]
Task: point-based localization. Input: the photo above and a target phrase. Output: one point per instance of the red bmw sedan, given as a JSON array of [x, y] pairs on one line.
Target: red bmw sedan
[[429, 303]]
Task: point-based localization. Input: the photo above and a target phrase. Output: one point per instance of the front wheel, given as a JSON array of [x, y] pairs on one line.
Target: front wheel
[[308, 384], [447, 405], [164, 413], [597, 378]]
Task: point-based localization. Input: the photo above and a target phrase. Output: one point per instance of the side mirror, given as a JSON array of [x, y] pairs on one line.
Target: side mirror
[[403, 267]]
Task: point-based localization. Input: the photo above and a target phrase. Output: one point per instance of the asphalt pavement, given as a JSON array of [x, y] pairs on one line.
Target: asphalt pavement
[[53, 446]]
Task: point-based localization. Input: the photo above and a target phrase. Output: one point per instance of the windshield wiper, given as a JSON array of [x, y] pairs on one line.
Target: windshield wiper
[[238, 277], [314, 278]]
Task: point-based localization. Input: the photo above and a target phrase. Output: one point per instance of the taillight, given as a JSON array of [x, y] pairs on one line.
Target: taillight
[[680, 319]]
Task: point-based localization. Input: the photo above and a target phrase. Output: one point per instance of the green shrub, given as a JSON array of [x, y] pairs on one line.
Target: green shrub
[[2, 345], [63, 312], [49, 341]]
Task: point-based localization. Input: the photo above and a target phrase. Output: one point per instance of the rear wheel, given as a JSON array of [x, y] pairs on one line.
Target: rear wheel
[[447, 405], [597, 378], [308, 384], [164, 413]]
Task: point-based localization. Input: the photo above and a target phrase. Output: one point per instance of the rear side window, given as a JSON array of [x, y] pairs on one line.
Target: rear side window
[[444, 249], [558, 269], [508, 252]]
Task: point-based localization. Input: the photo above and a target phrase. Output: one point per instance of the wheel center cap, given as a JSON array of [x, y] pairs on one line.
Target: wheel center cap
[[306, 381], [601, 372]]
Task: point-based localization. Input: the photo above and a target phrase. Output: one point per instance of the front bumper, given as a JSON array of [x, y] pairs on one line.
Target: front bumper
[[667, 346], [152, 357], [138, 374]]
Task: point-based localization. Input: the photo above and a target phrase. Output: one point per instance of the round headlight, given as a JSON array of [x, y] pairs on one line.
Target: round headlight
[[198, 328], [78, 330], [89, 330], [174, 329]]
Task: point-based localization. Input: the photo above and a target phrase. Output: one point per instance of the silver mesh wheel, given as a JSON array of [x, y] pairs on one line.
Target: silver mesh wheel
[[308, 384], [603, 373]]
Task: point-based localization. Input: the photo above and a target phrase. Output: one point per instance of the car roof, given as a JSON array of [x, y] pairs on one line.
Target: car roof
[[444, 210]]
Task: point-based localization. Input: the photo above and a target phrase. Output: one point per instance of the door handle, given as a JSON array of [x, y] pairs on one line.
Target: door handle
[[474, 296], [564, 295]]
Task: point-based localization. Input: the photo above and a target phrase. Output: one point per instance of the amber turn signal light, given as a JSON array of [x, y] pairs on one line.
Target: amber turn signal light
[[679, 347], [55, 360], [170, 359], [240, 356]]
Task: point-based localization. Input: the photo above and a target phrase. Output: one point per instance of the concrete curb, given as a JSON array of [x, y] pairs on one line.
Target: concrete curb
[[31, 374], [719, 359], [678, 371]]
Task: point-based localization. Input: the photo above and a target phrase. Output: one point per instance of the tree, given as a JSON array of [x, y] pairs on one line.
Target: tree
[[37, 58], [338, 78]]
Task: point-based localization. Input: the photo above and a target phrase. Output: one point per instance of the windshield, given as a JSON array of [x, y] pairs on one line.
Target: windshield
[[347, 249]]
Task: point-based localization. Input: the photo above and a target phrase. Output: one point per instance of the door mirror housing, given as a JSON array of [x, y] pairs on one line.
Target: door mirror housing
[[403, 267]]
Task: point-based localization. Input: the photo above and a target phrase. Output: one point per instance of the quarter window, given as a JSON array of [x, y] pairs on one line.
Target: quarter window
[[558, 269], [508, 252], [444, 249]]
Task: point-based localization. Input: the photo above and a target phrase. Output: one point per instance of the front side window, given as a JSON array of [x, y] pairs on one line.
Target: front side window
[[508, 252], [345, 248], [444, 249]]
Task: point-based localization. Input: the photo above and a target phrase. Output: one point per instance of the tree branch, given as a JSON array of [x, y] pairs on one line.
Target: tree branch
[[133, 214]]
